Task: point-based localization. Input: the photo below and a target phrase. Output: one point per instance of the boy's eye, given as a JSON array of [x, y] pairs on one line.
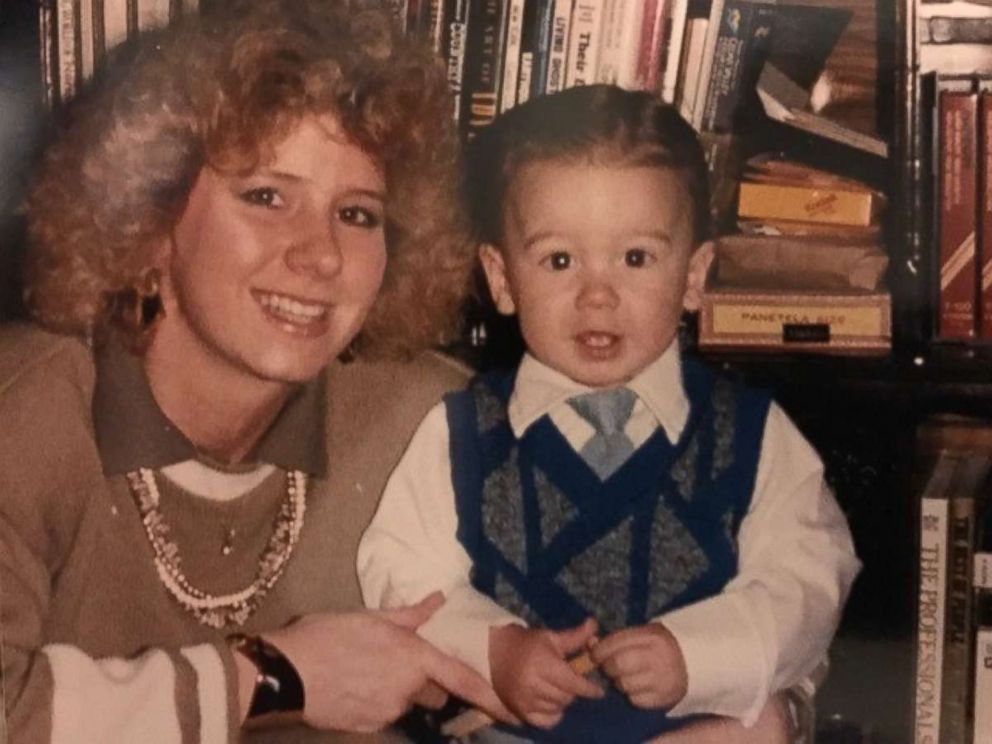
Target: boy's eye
[[557, 261], [263, 196], [360, 217], [637, 258]]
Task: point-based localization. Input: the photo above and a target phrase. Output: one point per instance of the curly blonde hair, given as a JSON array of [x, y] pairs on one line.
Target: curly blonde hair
[[221, 90]]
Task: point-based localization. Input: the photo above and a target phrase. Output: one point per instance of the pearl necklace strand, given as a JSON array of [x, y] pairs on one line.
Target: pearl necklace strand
[[227, 609]]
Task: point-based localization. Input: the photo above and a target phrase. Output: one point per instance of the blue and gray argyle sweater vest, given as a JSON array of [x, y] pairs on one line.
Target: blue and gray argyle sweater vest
[[554, 545]]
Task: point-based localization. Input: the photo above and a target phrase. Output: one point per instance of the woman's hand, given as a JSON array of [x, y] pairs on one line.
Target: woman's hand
[[363, 670], [531, 674], [772, 727], [645, 663]]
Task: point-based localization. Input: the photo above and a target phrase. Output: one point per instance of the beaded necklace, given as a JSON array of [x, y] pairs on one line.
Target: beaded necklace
[[227, 609]]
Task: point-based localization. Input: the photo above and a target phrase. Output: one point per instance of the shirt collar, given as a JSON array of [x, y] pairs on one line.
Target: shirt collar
[[539, 389], [132, 431]]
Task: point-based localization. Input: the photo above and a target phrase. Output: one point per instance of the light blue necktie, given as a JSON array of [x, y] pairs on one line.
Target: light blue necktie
[[607, 411]]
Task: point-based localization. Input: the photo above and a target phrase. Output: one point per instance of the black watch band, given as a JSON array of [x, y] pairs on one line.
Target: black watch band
[[278, 687]]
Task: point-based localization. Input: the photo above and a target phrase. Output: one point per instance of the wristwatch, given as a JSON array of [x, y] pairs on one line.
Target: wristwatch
[[278, 692]]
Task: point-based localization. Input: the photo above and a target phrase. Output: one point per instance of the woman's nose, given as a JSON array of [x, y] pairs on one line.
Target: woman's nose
[[316, 251]]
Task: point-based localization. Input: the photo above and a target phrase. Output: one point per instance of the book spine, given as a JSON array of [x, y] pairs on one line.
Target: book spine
[[745, 31], [436, 25], [536, 43], [583, 42], [455, 43], [930, 619], [685, 95], [675, 14], [609, 42], [483, 63], [706, 63], [950, 30], [47, 25], [983, 687], [511, 57], [67, 47], [958, 631], [631, 42], [561, 29], [956, 191], [88, 25], [984, 242], [649, 43]]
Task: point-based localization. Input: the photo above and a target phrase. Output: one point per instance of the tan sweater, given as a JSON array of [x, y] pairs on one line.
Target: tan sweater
[[76, 571]]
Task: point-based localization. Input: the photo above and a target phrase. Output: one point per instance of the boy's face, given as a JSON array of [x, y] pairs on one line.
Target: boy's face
[[598, 263]]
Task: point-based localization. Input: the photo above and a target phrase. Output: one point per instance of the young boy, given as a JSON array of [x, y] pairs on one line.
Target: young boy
[[609, 495]]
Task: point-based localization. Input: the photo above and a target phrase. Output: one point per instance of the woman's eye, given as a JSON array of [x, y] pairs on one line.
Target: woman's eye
[[263, 196], [360, 217], [637, 258], [557, 261]]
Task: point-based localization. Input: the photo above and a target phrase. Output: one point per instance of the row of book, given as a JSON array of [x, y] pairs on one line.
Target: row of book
[[704, 56], [76, 35], [962, 148], [953, 682]]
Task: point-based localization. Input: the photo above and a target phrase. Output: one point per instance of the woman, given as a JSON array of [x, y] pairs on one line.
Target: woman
[[185, 469]]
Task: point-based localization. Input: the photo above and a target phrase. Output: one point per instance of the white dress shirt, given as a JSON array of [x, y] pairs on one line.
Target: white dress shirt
[[767, 630]]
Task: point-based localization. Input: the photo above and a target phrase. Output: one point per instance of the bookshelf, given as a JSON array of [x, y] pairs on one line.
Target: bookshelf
[[860, 412]]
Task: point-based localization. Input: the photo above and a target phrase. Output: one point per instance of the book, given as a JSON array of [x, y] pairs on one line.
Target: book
[[68, 48], [455, 41], [561, 29], [743, 40], [620, 39], [510, 77], [949, 30], [675, 26], [824, 322], [633, 56], [583, 42], [534, 46], [982, 679], [786, 102], [822, 203], [692, 58], [983, 245], [967, 490], [652, 37], [484, 49], [982, 715], [706, 57], [931, 604], [956, 185]]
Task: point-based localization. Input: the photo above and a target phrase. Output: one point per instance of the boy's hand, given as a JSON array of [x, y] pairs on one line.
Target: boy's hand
[[645, 663], [530, 672]]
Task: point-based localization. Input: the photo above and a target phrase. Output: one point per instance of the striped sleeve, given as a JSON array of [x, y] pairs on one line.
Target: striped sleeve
[[159, 697]]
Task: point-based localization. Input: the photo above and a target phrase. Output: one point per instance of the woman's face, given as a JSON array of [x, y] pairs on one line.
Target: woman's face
[[269, 275]]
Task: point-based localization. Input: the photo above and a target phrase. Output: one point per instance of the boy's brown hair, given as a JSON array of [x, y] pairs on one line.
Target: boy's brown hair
[[598, 124]]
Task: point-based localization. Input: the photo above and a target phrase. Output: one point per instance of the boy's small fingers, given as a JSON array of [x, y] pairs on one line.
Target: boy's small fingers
[[576, 685]]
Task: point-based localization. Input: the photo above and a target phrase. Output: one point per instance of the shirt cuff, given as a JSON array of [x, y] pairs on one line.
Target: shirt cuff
[[727, 671], [461, 628]]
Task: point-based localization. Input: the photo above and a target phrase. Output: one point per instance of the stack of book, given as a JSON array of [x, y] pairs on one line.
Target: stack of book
[[806, 271], [953, 691]]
